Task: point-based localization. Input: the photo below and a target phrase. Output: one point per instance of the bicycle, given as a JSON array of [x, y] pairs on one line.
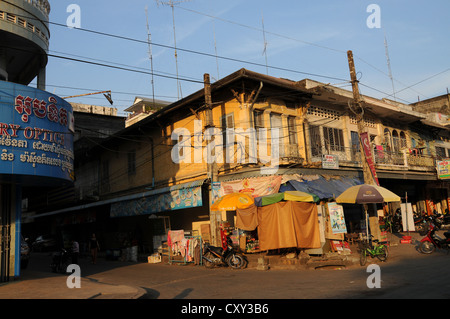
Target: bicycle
[[373, 248]]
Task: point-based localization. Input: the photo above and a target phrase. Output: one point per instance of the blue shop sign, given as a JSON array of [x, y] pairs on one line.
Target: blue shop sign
[[36, 133]]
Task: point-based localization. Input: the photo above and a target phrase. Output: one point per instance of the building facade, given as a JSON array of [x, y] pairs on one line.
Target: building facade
[[256, 133]]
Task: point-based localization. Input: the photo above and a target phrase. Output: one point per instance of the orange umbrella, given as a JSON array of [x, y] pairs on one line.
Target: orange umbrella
[[232, 202]]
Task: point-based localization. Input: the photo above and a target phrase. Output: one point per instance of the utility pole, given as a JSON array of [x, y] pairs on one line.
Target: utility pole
[[357, 107], [214, 217]]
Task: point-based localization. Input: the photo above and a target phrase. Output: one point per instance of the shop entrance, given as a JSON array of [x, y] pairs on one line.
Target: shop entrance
[[5, 228]]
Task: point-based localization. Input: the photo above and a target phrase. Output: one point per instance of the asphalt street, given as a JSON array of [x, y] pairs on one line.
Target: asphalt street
[[407, 274]]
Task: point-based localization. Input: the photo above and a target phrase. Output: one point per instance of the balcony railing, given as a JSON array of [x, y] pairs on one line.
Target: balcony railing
[[383, 159], [42, 5]]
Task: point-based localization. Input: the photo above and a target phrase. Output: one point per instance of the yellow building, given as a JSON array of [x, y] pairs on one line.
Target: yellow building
[[264, 132]]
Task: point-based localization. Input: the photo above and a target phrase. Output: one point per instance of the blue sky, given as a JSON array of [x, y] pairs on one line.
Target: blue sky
[[310, 38]]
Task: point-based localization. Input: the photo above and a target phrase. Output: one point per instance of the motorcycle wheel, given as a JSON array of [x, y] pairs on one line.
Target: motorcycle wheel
[[207, 263], [426, 247], [236, 261], [383, 254]]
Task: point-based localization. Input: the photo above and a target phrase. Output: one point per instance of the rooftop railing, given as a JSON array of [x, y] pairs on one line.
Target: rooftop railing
[[42, 5]]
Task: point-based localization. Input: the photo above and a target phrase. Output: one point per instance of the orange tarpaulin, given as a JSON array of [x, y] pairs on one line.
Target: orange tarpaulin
[[288, 224], [247, 218]]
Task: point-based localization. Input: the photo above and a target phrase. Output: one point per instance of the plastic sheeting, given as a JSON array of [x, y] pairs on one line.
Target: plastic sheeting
[[322, 187]]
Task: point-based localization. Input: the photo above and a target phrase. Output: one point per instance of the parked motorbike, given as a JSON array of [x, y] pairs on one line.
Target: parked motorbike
[[394, 222], [420, 224], [432, 241], [443, 219], [60, 261], [217, 256]]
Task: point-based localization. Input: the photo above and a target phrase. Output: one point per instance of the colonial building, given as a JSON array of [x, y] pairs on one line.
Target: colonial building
[[254, 132]]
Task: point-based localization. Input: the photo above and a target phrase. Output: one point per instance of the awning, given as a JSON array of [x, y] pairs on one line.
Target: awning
[[138, 196], [181, 196], [322, 187]]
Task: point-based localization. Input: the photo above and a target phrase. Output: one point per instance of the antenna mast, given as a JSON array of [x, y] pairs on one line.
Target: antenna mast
[[265, 42], [149, 40], [171, 4], [389, 65]]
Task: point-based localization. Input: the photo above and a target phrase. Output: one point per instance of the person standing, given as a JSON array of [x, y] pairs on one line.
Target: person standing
[[75, 251], [94, 247]]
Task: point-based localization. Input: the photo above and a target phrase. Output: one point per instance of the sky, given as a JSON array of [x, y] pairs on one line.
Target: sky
[[284, 38]]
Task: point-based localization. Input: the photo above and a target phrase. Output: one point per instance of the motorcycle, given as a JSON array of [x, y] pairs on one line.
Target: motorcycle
[[432, 241], [394, 223], [420, 224], [443, 219], [217, 256], [60, 261]]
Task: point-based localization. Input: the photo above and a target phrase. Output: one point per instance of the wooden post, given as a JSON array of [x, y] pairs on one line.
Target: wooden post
[[357, 108], [212, 169]]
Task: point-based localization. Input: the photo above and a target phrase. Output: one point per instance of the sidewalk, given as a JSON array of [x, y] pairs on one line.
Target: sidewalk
[[38, 282]]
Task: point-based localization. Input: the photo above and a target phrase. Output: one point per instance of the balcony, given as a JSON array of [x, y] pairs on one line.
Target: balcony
[[290, 153], [384, 160], [42, 5]]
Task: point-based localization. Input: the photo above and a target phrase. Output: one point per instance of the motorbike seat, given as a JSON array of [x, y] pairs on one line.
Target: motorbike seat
[[218, 250]]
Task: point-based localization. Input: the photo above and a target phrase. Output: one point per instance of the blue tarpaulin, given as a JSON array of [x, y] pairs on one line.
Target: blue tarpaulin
[[322, 187]]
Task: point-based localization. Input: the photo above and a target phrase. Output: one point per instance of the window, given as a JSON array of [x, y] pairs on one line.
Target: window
[[403, 140], [316, 142], [355, 141], [227, 122], [132, 162], [258, 119], [292, 128], [277, 123], [440, 152], [334, 139], [387, 139], [395, 142]]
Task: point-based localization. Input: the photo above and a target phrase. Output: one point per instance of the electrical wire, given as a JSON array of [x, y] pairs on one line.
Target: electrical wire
[[185, 50]]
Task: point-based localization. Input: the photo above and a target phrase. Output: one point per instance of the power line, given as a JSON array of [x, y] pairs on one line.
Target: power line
[[192, 51], [122, 68]]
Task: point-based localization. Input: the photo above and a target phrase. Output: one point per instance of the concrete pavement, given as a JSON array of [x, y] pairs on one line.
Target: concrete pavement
[[38, 282]]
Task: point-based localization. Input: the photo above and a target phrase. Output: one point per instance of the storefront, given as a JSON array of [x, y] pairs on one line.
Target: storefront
[[36, 146], [283, 217]]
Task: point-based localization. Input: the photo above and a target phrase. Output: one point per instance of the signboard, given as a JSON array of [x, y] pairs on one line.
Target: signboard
[[36, 133], [173, 200], [443, 169], [337, 220], [255, 186], [330, 161], [368, 154]]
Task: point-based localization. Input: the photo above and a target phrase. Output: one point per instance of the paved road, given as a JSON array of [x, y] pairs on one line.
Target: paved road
[[406, 275]]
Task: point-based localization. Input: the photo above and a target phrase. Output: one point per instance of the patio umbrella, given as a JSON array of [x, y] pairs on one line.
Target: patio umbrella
[[232, 202], [297, 196], [367, 194]]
